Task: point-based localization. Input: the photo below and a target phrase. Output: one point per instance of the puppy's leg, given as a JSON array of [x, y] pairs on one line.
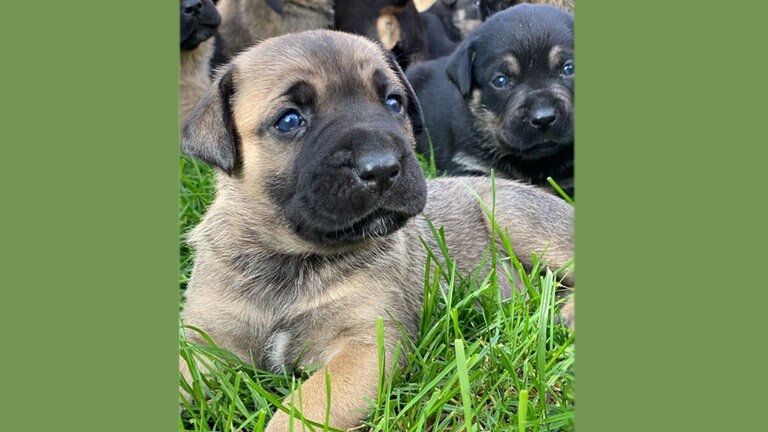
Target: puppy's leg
[[354, 378], [537, 223]]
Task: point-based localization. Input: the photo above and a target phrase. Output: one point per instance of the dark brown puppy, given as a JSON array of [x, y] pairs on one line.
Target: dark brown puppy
[[504, 99], [394, 23], [314, 230], [199, 20]]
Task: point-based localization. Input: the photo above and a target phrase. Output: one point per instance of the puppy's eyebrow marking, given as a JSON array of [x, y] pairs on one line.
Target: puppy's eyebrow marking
[[554, 56], [381, 83], [511, 63], [301, 93]]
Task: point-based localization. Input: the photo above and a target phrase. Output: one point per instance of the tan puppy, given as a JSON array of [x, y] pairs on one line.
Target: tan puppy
[[315, 229], [247, 22], [199, 20], [193, 77]]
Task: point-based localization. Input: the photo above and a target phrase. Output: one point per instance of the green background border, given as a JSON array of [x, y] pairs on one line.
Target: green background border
[[669, 231], [670, 167], [90, 215]]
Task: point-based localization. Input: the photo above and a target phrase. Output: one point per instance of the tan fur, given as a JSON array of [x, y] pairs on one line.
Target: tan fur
[[512, 64], [388, 29], [193, 77], [422, 5], [332, 311], [247, 22], [554, 56]]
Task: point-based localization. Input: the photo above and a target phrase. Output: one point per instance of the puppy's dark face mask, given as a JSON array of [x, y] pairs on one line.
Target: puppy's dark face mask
[[199, 20], [318, 126], [518, 77]]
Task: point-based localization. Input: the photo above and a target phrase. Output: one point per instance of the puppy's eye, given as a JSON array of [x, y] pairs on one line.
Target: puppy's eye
[[289, 121], [500, 81], [394, 104], [568, 69]]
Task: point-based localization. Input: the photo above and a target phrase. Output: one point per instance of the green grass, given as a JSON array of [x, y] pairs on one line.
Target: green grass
[[479, 363]]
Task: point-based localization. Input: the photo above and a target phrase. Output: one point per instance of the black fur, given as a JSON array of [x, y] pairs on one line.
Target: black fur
[[438, 42], [490, 7], [209, 134], [359, 17], [199, 20], [276, 6], [514, 147]]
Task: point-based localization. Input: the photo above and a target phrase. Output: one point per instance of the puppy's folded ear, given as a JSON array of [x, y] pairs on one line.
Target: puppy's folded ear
[[414, 107], [276, 6], [209, 132], [459, 67]]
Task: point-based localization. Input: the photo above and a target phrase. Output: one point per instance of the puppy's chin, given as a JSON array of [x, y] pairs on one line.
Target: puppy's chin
[[378, 223], [536, 150], [197, 36], [533, 147]]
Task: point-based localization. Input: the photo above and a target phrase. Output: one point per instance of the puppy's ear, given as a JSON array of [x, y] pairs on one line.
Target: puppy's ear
[[459, 67], [276, 6], [209, 132], [414, 107]]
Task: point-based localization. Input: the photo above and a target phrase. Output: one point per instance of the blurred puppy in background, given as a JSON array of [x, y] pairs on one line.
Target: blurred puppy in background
[[396, 24], [199, 20]]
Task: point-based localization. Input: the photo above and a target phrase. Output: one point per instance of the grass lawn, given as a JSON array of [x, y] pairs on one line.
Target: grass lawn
[[479, 363]]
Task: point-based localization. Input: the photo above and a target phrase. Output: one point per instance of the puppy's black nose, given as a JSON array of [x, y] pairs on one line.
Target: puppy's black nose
[[192, 7], [543, 117], [378, 170]]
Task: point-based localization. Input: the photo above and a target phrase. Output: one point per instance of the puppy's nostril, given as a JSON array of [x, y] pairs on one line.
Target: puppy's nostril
[[378, 170], [394, 174], [543, 118], [193, 7]]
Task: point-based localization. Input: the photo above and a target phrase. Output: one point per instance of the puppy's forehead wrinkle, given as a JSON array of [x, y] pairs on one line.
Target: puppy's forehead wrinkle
[[330, 74]]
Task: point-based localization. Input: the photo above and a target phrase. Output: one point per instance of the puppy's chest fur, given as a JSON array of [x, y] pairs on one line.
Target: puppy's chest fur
[[290, 310]]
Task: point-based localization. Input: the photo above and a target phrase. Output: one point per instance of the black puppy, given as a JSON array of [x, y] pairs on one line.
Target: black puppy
[[438, 42], [504, 99]]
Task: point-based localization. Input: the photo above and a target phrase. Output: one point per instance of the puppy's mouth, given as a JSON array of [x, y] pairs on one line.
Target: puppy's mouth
[[537, 150], [197, 36], [378, 223]]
